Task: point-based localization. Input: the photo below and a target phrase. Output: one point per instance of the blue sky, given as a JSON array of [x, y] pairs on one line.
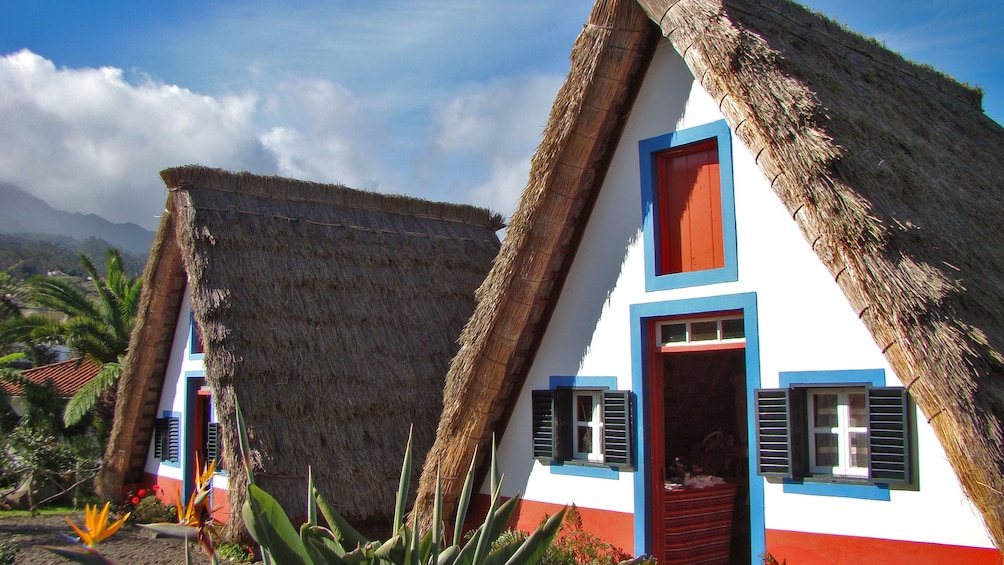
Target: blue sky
[[443, 99]]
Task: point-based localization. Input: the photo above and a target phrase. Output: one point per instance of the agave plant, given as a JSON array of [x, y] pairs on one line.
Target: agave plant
[[339, 543]]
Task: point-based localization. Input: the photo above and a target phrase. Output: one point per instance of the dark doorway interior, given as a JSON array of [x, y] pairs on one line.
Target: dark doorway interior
[[705, 426]]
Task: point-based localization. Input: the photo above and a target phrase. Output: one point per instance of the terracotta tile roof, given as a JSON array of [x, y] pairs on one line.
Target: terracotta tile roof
[[68, 376]]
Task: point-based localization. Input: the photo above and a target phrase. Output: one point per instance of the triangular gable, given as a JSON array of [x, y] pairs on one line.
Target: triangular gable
[[891, 171]]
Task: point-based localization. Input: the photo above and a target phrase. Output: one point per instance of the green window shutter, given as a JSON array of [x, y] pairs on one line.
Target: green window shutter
[[617, 428], [172, 449], [780, 432], [213, 443], [159, 438], [889, 435], [543, 425], [562, 413]]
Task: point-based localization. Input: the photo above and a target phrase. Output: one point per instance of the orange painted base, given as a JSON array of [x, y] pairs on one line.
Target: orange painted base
[[616, 528], [800, 548]]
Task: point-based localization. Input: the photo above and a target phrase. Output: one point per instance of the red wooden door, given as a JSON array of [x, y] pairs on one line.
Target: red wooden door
[[690, 209]]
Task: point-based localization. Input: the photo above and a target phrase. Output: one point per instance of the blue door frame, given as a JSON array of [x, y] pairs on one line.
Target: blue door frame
[[641, 341]]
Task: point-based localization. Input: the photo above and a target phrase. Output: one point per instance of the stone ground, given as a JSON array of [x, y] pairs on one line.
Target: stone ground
[[131, 545]]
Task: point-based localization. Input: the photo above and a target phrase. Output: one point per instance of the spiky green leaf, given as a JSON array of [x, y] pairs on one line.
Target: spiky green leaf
[[271, 528]]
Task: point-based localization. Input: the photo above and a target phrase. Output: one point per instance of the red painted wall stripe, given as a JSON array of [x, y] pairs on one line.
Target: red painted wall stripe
[[801, 548], [616, 528]]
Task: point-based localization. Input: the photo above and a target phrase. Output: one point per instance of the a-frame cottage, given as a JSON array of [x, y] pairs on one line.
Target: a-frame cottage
[[330, 314], [757, 246]]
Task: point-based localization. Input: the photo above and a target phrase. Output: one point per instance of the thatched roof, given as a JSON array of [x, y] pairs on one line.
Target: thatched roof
[[891, 170], [330, 313]]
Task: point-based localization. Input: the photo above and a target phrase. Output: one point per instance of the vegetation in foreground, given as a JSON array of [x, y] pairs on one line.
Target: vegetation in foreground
[[338, 542]]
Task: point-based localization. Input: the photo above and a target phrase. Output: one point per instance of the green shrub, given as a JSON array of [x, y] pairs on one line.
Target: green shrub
[[150, 509], [573, 545], [235, 552]]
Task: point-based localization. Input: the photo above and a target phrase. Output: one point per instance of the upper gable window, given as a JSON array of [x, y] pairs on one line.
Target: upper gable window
[[688, 207]]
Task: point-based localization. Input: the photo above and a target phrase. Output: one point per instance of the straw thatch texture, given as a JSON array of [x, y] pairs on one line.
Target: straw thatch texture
[[893, 174], [332, 315]]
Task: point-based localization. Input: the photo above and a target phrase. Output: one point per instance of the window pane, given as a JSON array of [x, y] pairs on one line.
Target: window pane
[[733, 329], [858, 410], [584, 408], [673, 333], [826, 450], [703, 331], [824, 410], [585, 439], [859, 450]]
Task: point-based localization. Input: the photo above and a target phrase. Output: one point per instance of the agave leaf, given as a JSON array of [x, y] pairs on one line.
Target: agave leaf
[[449, 555], [404, 485], [395, 549], [425, 549], [485, 540], [534, 547], [496, 478], [499, 522], [465, 500], [346, 535], [502, 555], [321, 545], [245, 445], [173, 530], [415, 542], [437, 517], [358, 556], [311, 503], [271, 528], [86, 555]]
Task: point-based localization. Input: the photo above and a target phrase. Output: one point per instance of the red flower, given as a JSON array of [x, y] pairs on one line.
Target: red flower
[[155, 488], [135, 500], [142, 492]]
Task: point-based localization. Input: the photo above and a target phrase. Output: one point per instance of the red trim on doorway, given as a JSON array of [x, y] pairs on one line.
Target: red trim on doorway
[[811, 549], [698, 347]]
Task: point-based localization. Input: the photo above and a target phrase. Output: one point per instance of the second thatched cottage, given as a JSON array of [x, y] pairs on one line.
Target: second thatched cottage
[[757, 246], [331, 314]]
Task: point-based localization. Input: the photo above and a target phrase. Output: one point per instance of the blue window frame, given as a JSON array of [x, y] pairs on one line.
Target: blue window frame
[[648, 150]]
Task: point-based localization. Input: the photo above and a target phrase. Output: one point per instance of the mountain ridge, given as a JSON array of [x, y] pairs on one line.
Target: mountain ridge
[[22, 213]]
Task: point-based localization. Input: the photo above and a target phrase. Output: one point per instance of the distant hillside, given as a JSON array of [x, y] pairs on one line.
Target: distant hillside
[[28, 255], [22, 213]]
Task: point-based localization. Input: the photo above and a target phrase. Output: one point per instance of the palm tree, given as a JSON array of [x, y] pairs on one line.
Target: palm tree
[[95, 328]]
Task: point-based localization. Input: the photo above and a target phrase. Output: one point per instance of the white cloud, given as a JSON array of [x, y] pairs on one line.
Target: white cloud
[[87, 141], [321, 131], [495, 129]]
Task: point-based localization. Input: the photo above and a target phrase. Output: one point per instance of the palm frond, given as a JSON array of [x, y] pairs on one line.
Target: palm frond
[[62, 297], [90, 393]]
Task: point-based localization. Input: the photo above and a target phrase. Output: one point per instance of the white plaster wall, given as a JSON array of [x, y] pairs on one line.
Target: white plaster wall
[[804, 323]]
